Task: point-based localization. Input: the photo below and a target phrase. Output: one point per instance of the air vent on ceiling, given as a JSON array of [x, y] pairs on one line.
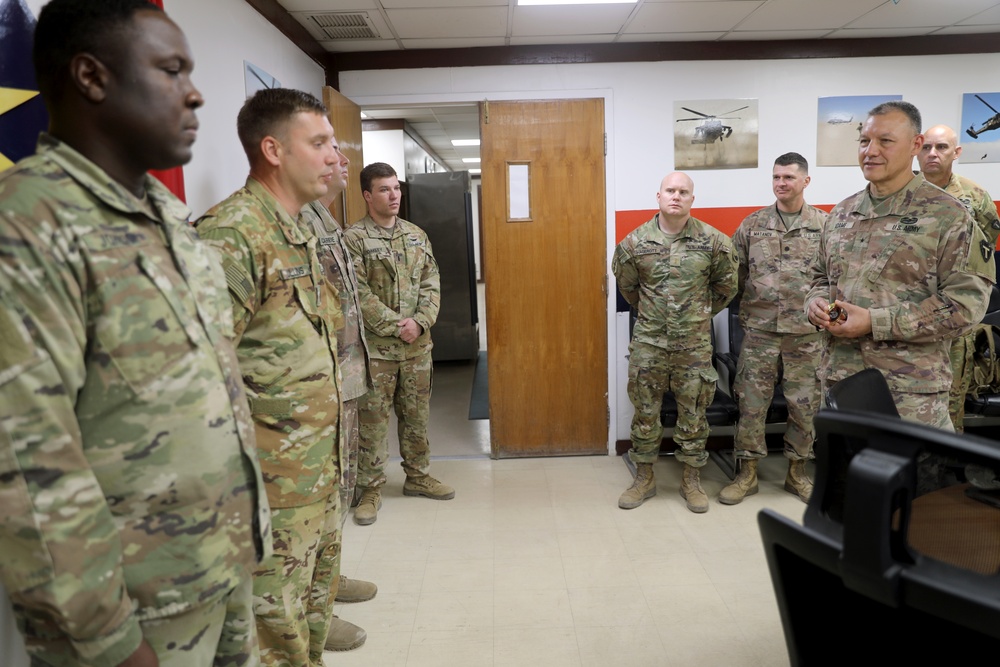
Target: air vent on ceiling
[[345, 25]]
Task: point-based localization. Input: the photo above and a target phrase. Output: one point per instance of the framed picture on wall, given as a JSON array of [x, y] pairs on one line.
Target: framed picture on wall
[[715, 134], [254, 79], [838, 127], [980, 138]]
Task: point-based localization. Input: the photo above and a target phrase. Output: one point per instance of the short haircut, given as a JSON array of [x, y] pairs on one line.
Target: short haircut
[[912, 113], [266, 113], [789, 159], [373, 171], [68, 27]]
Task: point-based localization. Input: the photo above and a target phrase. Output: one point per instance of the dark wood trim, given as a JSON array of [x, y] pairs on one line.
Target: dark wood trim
[[666, 51]]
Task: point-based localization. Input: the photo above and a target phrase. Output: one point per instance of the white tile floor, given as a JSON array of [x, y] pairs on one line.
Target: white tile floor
[[533, 562]]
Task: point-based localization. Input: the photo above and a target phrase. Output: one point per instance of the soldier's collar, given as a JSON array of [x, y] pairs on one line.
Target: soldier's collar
[[290, 228]]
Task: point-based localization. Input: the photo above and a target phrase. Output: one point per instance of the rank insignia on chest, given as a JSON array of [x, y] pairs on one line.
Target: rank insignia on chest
[[986, 249], [294, 272]]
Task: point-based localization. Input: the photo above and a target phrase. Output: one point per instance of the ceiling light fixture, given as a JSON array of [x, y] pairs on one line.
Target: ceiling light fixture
[[471, 160], [465, 142]]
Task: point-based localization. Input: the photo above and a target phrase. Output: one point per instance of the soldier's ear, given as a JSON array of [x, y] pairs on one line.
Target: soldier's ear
[[89, 76], [958, 151], [270, 150]]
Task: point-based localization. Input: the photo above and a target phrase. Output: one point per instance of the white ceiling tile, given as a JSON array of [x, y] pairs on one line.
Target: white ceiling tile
[[989, 18], [418, 4], [863, 33], [450, 22], [568, 20], [562, 39], [969, 29], [350, 46], [452, 42], [760, 35], [327, 5], [671, 36], [807, 14], [913, 13], [691, 16]]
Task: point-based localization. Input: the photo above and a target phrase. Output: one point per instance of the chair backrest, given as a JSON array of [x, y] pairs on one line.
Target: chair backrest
[[895, 565], [866, 391]]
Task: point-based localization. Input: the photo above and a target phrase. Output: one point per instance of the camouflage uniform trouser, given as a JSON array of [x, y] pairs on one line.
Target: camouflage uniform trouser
[[763, 357], [349, 422], [295, 588], [406, 386], [689, 374], [221, 634], [961, 369]]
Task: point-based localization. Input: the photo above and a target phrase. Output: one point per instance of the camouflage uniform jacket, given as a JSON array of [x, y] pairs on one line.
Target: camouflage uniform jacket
[[920, 265], [397, 278], [129, 483], [774, 268], [285, 324], [979, 203], [343, 283], [677, 287]]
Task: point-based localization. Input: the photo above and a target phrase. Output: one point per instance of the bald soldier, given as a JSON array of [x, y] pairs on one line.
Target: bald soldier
[[936, 157], [678, 272], [908, 266]]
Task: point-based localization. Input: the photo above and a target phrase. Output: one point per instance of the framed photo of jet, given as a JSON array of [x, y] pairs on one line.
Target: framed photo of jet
[[980, 134], [715, 134], [838, 127]]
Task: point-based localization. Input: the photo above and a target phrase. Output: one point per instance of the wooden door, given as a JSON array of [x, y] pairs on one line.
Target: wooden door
[[546, 293], [345, 116]]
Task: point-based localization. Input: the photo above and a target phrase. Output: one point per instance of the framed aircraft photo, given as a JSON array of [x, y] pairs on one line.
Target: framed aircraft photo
[[838, 127], [980, 133], [715, 134]]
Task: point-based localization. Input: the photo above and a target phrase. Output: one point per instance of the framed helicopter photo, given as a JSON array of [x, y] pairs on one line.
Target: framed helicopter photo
[[838, 127], [980, 132], [715, 134]]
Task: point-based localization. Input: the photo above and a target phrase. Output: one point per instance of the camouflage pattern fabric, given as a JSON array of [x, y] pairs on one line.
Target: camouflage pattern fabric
[[129, 484], [295, 588], [979, 203], [397, 278], [343, 283], [350, 424], [689, 374], [677, 286], [924, 270], [764, 356], [774, 279], [285, 323], [774, 268], [984, 211], [406, 387]]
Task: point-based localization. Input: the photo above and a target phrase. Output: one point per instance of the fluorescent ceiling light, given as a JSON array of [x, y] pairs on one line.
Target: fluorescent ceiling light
[[525, 3], [475, 171], [465, 142], [364, 115], [471, 160]]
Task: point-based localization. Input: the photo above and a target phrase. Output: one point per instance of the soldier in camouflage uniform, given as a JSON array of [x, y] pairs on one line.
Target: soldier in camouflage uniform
[[908, 265], [936, 157], [679, 272], [132, 508], [352, 350], [775, 246], [400, 290], [285, 325]]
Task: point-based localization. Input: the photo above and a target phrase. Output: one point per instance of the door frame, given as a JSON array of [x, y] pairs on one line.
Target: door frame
[[403, 100]]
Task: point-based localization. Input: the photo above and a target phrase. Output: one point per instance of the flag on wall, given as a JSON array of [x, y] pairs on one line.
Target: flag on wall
[[22, 113]]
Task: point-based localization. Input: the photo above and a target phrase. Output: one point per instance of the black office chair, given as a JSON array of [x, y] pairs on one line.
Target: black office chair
[[875, 572], [866, 391]]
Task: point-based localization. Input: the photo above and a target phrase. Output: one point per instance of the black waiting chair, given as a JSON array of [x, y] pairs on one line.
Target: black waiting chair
[[865, 391], [876, 573], [984, 404]]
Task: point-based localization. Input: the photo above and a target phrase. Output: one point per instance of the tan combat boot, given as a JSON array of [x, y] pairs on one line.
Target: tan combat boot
[[744, 485], [428, 487], [355, 590], [797, 482], [643, 486], [368, 507], [691, 491], [344, 636]]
